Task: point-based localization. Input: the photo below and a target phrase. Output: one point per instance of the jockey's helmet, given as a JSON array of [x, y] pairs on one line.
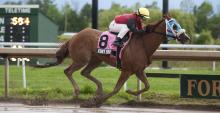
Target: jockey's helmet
[[143, 13]]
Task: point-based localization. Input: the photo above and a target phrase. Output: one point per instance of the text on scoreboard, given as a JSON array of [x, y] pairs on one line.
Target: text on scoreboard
[[16, 23]]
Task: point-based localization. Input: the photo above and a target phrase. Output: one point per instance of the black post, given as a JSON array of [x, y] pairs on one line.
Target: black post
[[95, 14], [165, 11]]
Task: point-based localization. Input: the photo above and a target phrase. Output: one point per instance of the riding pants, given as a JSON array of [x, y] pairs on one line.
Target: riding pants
[[121, 29]]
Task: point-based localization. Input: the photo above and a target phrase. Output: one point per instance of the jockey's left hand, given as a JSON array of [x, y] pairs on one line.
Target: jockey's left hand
[[148, 28]]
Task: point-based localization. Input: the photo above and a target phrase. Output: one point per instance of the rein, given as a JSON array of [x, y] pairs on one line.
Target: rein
[[155, 26], [164, 34]]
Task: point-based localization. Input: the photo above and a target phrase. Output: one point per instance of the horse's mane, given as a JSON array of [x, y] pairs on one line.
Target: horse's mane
[[151, 27], [156, 23]]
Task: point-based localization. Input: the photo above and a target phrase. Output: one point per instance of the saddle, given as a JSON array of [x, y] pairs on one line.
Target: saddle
[[105, 46]]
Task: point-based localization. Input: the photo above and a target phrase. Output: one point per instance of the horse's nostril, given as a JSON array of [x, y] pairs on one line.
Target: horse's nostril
[[184, 38]]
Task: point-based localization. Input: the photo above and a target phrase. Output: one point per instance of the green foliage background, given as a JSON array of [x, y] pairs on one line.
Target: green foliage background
[[200, 22]]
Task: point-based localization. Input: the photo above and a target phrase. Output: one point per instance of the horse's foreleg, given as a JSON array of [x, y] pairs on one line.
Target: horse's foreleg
[[86, 72], [143, 78], [69, 71], [122, 79], [97, 101]]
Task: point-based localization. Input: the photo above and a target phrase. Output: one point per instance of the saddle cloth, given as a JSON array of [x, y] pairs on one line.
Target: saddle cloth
[[105, 41]]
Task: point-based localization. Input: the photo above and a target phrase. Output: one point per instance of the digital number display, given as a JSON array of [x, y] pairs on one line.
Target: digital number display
[[17, 29], [20, 21]]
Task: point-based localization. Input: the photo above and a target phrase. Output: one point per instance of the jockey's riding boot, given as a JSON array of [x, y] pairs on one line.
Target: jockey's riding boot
[[118, 42]]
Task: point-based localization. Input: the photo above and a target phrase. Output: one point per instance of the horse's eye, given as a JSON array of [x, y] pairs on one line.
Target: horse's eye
[[174, 27]]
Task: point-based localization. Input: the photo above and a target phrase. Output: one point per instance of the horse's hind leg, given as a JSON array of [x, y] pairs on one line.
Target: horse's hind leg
[[143, 78], [97, 101], [69, 71], [86, 72]]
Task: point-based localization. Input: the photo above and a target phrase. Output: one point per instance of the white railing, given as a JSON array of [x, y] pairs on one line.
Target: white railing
[[189, 46], [30, 44], [169, 54], [180, 46]]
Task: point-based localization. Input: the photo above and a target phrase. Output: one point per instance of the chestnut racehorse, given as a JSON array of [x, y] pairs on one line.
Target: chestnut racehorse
[[136, 56]]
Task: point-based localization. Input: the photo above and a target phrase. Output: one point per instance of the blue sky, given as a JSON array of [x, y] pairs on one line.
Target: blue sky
[[105, 4]]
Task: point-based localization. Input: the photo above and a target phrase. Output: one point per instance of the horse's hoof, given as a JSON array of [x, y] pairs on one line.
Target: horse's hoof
[[88, 104], [92, 103], [131, 92], [85, 105]]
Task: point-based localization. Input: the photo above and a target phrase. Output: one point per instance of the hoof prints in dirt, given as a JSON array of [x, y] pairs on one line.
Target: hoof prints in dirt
[[38, 100]]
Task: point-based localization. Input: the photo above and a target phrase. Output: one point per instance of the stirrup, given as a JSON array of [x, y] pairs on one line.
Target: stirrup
[[118, 42], [118, 60]]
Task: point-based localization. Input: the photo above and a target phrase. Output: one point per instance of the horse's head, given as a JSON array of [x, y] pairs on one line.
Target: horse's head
[[171, 29], [175, 31]]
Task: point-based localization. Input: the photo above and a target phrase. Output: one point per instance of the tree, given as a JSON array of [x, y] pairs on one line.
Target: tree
[[187, 6], [32, 2], [66, 11], [107, 15], [49, 9], [205, 38], [136, 6], [155, 15], [73, 22], [152, 6], [217, 41], [85, 14], [214, 25], [69, 18], [44, 4], [202, 13]]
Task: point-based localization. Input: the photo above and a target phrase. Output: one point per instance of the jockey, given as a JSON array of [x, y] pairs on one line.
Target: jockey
[[123, 23]]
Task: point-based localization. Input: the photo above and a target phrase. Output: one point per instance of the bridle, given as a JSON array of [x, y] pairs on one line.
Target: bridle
[[160, 33]]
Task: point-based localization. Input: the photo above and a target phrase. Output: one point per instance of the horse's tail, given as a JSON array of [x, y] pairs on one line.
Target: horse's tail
[[61, 54]]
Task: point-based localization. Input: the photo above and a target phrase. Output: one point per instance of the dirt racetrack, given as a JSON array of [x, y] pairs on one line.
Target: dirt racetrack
[[21, 108]]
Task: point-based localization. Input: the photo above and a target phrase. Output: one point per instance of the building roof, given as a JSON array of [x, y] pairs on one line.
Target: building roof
[[19, 6]]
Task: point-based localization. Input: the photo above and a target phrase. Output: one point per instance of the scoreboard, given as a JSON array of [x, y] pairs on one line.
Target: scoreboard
[[18, 23], [16, 29], [26, 23]]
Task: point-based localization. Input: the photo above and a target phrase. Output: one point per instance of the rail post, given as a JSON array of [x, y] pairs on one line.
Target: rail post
[[95, 14], [138, 89], [213, 66], [6, 77], [125, 86], [165, 11], [24, 73]]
